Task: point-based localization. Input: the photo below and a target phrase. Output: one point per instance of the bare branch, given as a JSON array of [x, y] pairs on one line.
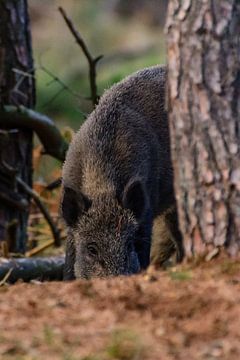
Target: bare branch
[[91, 61], [42, 207], [24, 73], [39, 249], [59, 81], [54, 79], [55, 184], [54, 97]]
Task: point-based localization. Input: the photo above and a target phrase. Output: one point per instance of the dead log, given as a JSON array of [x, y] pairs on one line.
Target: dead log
[[39, 268]]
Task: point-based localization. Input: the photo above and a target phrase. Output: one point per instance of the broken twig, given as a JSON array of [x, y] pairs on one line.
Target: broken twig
[[39, 249], [6, 277], [54, 184], [91, 61]]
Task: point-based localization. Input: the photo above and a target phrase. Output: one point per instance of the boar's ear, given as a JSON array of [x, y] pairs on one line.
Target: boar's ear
[[134, 197], [73, 205]]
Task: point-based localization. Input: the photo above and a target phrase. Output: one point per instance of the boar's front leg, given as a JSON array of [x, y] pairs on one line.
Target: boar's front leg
[[143, 242]]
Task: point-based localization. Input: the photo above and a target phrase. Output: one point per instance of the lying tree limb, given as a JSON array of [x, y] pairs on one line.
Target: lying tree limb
[[49, 135], [91, 61], [50, 268], [44, 210]]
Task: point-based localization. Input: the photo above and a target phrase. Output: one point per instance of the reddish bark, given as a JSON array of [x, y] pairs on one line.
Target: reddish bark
[[204, 99]]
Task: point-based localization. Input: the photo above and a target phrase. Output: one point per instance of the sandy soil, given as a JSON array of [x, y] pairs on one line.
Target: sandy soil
[[184, 313]]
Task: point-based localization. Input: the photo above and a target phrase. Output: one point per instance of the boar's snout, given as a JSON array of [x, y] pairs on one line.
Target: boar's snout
[[86, 269]]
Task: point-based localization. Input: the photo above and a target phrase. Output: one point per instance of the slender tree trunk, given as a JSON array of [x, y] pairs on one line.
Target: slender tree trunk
[[204, 106], [16, 88]]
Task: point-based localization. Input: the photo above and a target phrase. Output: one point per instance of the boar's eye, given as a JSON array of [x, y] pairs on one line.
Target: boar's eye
[[92, 249]]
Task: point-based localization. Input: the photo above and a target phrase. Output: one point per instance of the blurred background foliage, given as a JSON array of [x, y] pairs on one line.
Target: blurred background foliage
[[128, 33]]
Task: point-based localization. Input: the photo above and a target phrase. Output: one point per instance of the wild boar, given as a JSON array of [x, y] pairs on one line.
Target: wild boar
[[117, 178]]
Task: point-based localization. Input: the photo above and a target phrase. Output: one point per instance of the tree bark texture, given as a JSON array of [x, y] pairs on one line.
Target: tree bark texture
[[204, 107], [17, 87]]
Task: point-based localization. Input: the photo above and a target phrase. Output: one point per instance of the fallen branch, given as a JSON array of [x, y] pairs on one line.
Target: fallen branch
[[50, 268], [49, 135], [91, 61]]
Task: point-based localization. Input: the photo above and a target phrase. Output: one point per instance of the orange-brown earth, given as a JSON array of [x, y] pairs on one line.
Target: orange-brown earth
[[190, 312]]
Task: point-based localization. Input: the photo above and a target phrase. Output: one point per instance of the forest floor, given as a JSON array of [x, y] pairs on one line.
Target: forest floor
[[189, 312]]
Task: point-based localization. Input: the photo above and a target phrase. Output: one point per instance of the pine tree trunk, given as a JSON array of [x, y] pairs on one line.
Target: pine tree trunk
[[204, 107], [17, 87]]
